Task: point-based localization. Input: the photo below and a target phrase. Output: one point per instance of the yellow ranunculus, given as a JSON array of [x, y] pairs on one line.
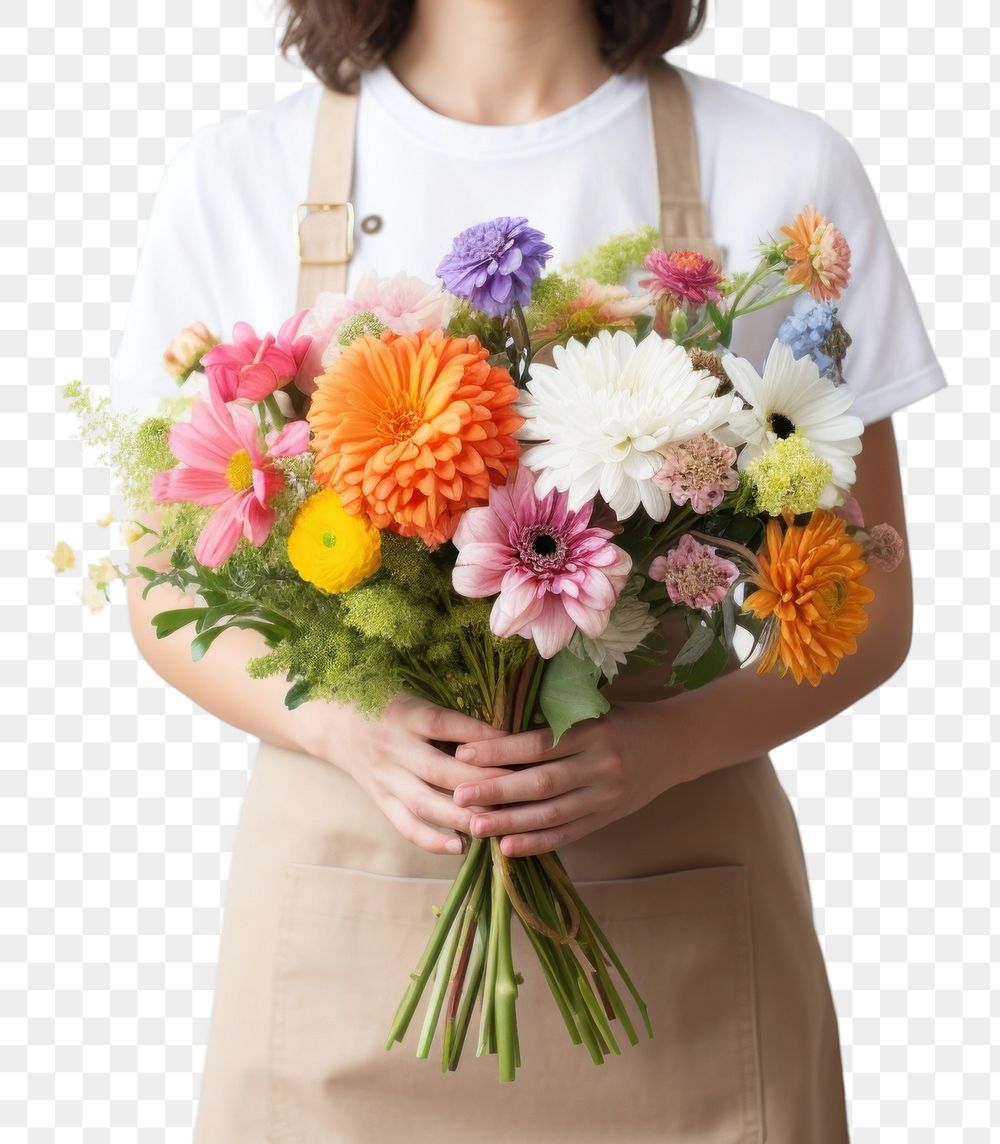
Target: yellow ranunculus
[[331, 548]]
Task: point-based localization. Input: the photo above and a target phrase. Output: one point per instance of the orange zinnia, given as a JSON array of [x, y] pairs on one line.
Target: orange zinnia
[[820, 256], [412, 429], [810, 595]]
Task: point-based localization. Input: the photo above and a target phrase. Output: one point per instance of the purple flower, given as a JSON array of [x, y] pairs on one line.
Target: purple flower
[[494, 264]]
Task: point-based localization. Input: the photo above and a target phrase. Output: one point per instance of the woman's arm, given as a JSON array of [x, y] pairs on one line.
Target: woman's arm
[[762, 712], [604, 769], [396, 759], [219, 682]]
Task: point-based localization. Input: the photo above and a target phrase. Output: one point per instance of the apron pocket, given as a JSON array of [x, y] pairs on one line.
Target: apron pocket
[[350, 938]]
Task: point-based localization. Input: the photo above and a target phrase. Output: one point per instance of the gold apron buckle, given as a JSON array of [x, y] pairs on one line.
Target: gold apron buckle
[[303, 211]]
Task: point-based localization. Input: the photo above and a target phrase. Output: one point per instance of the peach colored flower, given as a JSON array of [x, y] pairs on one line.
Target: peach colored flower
[[819, 255], [597, 306], [412, 429], [186, 349]]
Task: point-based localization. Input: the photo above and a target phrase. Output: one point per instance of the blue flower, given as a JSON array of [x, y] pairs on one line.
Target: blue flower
[[494, 264], [807, 328]]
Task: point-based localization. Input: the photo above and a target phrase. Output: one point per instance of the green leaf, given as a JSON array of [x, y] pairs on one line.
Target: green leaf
[[201, 644], [705, 669], [715, 314], [166, 623], [297, 694], [695, 646], [569, 692], [146, 573], [220, 611]]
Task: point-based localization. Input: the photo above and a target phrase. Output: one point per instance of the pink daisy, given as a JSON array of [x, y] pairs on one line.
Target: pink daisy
[[252, 367], [554, 572], [224, 465]]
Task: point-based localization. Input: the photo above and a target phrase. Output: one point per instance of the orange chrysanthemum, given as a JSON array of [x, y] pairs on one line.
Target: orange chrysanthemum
[[820, 256], [810, 595], [412, 429]]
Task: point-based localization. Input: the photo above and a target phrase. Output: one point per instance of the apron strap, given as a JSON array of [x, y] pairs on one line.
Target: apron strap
[[682, 212], [324, 223]]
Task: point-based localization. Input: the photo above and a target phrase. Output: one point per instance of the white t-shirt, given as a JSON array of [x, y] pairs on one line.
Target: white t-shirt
[[219, 248]]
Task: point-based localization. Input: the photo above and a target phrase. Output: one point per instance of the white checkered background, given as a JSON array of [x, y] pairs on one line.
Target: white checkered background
[[118, 798]]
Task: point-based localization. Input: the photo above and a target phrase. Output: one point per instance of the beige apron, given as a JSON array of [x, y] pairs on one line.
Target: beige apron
[[703, 892]]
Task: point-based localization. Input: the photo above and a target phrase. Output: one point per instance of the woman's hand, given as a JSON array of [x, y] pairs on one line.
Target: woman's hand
[[394, 760], [602, 770]]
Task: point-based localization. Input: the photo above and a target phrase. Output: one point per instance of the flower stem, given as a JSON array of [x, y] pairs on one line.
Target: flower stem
[[442, 974], [277, 417], [420, 976], [506, 984]]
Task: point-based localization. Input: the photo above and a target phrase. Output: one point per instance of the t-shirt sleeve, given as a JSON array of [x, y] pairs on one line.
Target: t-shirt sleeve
[[891, 361], [171, 288]]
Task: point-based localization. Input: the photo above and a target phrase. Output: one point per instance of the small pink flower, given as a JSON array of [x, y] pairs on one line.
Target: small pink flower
[[224, 465], [686, 275], [699, 470], [850, 510], [694, 574], [553, 570], [252, 367], [885, 548], [402, 303]]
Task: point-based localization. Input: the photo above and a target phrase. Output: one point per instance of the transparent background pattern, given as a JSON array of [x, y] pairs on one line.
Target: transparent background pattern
[[118, 798]]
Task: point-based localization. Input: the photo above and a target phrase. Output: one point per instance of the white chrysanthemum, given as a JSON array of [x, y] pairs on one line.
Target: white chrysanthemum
[[793, 395], [629, 624], [599, 415]]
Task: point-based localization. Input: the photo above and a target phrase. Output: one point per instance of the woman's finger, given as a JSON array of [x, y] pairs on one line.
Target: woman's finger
[[546, 780], [417, 831], [524, 747], [443, 770], [429, 804], [546, 815], [435, 722], [542, 841]]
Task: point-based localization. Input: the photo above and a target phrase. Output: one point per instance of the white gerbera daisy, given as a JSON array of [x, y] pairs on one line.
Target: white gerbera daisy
[[628, 625], [600, 414], [793, 395]]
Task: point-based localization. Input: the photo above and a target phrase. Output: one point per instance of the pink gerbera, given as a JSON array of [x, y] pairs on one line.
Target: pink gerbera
[[253, 367], [553, 571], [224, 465], [685, 275]]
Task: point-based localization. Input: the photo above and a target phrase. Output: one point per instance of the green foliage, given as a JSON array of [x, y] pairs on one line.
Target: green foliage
[[381, 610], [611, 261], [569, 692], [133, 450], [551, 297], [359, 325], [409, 563], [467, 320]]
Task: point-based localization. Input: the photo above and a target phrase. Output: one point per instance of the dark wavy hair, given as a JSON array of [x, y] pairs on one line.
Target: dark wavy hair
[[338, 39]]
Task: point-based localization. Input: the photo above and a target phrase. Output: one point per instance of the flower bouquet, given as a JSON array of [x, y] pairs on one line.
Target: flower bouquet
[[488, 492]]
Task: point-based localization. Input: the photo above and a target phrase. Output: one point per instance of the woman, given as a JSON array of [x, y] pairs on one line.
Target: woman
[[676, 827]]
